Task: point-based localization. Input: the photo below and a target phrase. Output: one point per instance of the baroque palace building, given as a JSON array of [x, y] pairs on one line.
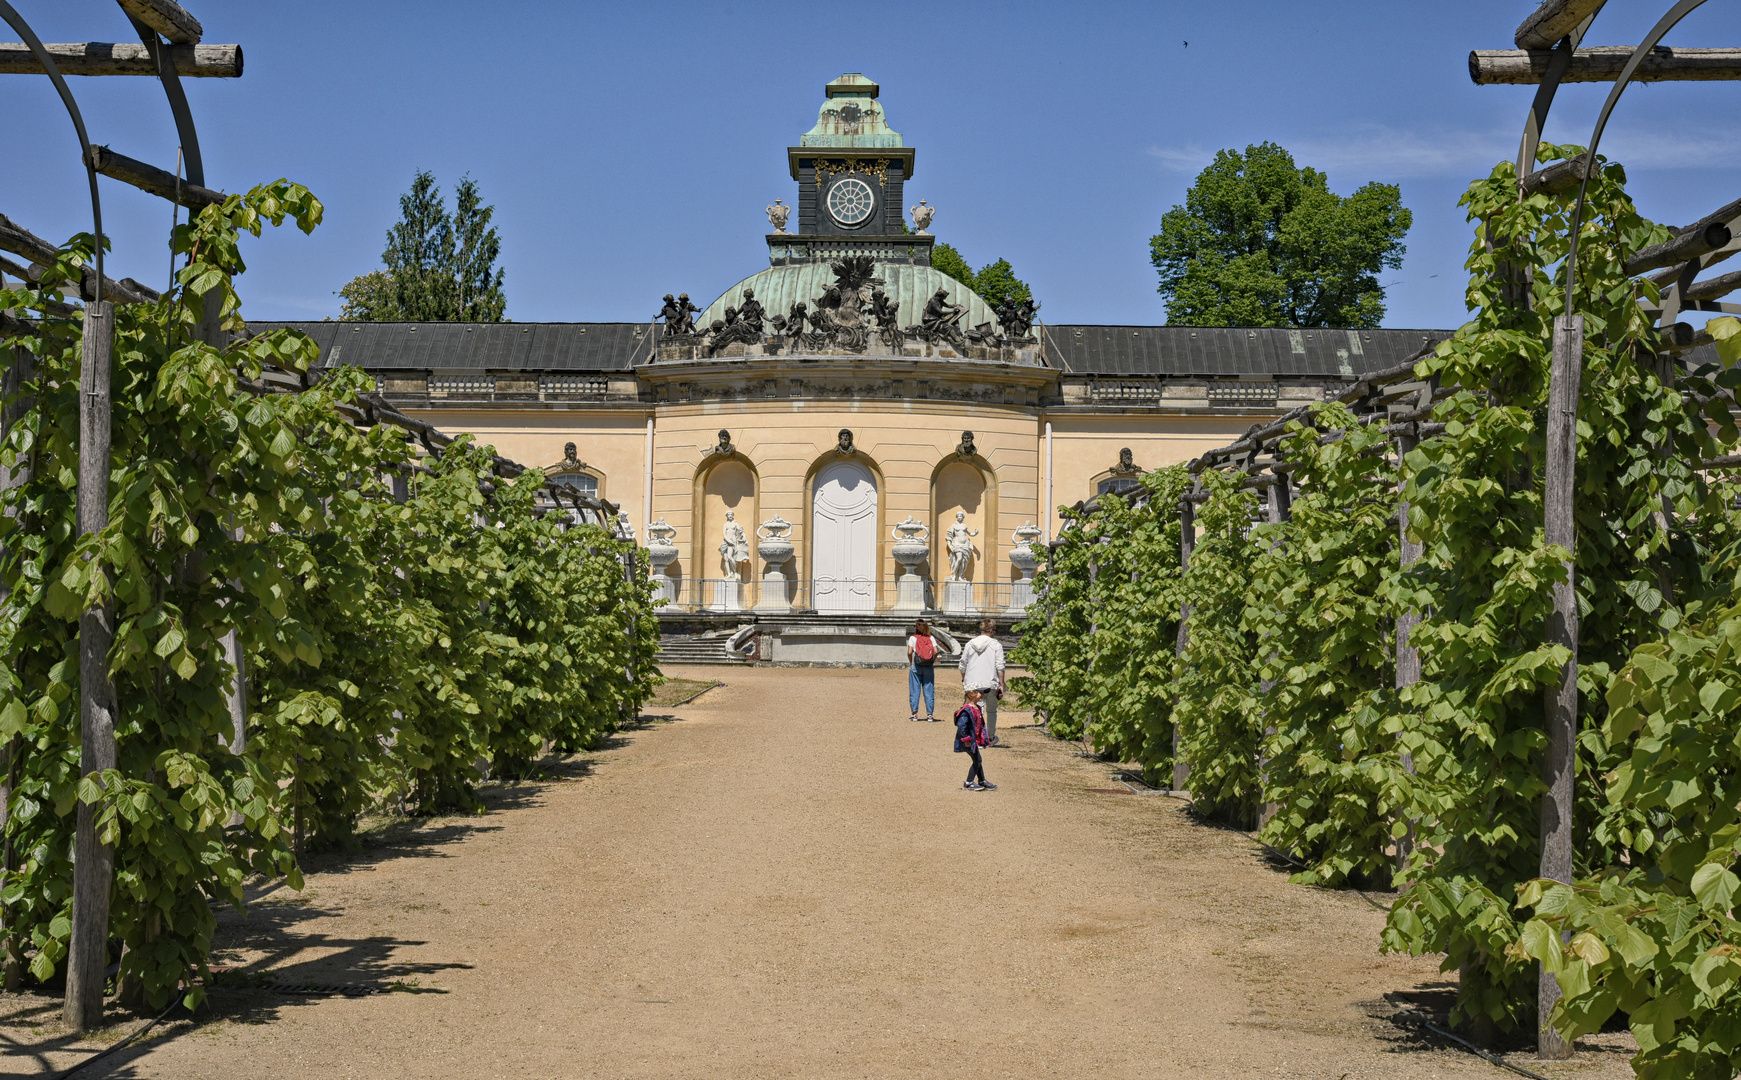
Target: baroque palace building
[[849, 437]]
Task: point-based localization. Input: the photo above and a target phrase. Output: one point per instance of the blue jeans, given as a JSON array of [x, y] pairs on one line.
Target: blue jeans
[[925, 679]]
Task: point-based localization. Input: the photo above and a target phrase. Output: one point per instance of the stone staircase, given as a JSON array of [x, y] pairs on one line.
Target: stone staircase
[[697, 649]]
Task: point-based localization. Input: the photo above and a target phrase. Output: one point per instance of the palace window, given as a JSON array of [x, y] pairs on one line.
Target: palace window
[[586, 483]]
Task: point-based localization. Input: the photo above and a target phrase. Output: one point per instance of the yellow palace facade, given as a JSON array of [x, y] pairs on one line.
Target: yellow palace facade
[[848, 436]]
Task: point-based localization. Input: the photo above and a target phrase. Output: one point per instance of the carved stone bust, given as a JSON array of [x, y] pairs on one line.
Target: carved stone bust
[[568, 454], [725, 446], [844, 446], [966, 449], [1126, 464]]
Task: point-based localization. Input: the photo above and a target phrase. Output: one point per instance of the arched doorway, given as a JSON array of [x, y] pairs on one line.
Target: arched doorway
[[843, 538]]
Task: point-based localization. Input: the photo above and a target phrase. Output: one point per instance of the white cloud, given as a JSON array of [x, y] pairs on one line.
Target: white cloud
[[1376, 152]]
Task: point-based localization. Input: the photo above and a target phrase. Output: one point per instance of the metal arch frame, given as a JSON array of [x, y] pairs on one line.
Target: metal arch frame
[[1559, 62], [1675, 14], [172, 89], [17, 22]]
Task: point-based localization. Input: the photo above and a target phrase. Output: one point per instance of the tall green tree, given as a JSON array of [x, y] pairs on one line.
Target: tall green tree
[[1261, 241], [998, 282], [944, 257], [440, 267], [994, 282]]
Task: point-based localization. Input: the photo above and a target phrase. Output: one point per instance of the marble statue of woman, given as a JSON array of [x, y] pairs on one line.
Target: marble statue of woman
[[960, 541], [735, 549]]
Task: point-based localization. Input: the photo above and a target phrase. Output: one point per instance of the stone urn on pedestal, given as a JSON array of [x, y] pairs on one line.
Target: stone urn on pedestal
[[911, 547], [775, 549], [1022, 557], [661, 553]]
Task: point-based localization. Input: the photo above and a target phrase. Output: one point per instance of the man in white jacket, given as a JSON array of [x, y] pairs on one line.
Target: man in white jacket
[[982, 669]]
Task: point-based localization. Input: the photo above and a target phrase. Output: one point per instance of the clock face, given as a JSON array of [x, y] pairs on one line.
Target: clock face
[[850, 201]]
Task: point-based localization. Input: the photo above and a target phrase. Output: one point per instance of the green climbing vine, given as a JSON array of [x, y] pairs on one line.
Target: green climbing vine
[[1284, 692], [392, 643]]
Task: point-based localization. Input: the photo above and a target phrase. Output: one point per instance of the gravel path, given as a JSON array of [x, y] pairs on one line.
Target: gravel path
[[785, 879]]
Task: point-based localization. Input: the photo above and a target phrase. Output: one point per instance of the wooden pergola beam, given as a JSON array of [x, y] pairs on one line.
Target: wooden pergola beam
[[169, 19], [1488, 67], [1552, 21], [1702, 237], [105, 58], [152, 179], [21, 241], [1714, 288], [1559, 177]]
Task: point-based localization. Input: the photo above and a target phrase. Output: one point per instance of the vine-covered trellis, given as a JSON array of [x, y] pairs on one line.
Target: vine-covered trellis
[[241, 597], [1420, 632]]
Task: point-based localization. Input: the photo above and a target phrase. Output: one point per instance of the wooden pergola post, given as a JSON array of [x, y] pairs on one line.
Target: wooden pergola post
[[93, 861], [1561, 712], [1187, 540]]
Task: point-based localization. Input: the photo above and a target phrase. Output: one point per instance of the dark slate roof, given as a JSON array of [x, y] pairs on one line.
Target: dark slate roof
[[1228, 351], [479, 346]]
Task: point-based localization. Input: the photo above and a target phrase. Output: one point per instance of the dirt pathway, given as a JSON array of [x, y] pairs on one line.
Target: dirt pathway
[[787, 880]]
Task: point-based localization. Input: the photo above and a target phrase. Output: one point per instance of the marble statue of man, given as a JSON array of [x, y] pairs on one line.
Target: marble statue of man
[[959, 538], [735, 548]]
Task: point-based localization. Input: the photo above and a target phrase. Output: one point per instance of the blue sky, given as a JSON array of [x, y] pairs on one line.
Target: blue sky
[[629, 149]]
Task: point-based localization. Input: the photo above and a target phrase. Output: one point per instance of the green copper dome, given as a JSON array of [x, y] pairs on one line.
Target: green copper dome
[[779, 287]]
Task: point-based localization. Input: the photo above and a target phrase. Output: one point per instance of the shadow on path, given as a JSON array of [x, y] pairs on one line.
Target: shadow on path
[[275, 926]]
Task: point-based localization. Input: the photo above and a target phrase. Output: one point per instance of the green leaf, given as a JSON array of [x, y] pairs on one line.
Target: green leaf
[[12, 718], [1715, 888], [1726, 330], [1540, 941], [168, 643], [1589, 947]]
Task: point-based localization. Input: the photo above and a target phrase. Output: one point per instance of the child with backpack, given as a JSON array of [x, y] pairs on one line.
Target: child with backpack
[[969, 737], [922, 649]]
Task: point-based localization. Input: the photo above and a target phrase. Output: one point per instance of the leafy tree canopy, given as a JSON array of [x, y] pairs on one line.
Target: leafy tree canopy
[[994, 282], [440, 267], [1263, 242]]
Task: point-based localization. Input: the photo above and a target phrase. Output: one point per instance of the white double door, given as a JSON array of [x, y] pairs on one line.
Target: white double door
[[843, 539]]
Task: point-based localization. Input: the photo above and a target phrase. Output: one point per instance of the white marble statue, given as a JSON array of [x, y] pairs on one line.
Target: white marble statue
[[778, 214], [734, 550], [625, 527], [922, 215], [959, 538]]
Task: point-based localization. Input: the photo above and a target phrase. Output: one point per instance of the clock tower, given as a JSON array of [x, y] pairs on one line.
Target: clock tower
[[850, 167]]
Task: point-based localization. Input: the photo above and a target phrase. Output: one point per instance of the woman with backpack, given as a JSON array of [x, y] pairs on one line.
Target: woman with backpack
[[922, 651], [969, 737]]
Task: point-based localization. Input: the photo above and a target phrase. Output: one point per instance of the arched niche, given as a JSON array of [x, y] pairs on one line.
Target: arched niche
[[968, 485], [726, 482]]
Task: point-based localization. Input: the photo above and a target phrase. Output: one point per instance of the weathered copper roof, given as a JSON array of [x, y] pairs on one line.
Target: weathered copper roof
[[851, 117]]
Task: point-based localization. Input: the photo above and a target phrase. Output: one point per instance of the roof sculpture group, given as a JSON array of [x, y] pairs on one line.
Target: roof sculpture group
[[849, 315]]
